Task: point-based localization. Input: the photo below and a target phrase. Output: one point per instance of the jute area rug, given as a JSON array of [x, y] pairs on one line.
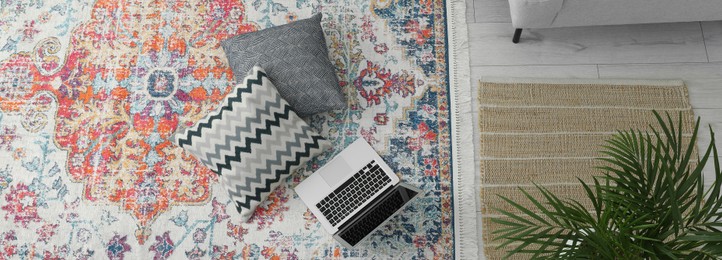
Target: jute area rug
[[550, 132]]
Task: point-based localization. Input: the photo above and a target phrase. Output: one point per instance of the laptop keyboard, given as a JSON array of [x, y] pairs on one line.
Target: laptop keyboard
[[353, 192], [373, 219]]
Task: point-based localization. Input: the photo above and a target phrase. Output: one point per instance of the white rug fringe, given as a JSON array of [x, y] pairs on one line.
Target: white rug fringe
[[464, 195]]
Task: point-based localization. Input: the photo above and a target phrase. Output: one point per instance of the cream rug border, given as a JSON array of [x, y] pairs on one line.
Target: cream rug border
[[463, 171]]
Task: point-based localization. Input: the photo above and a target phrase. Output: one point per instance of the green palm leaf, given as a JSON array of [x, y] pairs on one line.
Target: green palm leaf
[[648, 203]]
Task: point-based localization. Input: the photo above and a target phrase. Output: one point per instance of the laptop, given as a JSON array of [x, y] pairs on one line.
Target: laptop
[[355, 193]]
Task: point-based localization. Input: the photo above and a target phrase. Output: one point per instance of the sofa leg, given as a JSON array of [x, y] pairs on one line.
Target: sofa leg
[[517, 35]]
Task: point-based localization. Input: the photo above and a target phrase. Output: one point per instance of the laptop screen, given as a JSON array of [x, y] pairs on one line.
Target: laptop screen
[[376, 215]]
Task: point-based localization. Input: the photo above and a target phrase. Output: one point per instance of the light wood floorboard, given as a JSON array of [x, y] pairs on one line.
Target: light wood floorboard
[[535, 71], [702, 70]]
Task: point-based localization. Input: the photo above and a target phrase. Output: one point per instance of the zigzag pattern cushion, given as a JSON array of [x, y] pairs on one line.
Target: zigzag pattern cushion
[[253, 140], [295, 57]]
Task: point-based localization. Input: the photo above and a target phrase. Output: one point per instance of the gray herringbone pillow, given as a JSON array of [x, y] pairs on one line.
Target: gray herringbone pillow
[[296, 59], [253, 140]]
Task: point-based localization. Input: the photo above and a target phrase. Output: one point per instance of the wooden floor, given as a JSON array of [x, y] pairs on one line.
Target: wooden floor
[[688, 51]]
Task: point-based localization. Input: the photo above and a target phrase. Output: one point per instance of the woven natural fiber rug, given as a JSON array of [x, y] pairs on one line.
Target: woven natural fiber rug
[[550, 132]]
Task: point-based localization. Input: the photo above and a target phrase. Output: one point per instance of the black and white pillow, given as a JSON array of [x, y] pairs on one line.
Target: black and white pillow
[[253, 140]]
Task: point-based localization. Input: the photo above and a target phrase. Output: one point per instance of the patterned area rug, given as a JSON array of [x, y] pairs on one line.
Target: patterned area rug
[[87, 170], [550, 132]]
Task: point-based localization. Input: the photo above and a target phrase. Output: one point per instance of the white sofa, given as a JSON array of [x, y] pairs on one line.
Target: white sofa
[[565, 13]]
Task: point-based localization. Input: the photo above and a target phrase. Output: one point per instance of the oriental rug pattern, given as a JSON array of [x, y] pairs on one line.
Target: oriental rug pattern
[[90, 92]]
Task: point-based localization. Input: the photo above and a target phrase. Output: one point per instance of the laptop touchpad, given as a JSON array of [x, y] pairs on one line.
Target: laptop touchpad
[[335, 172]]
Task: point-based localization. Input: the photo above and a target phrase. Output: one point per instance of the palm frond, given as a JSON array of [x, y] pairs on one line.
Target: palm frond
[[649, 202]]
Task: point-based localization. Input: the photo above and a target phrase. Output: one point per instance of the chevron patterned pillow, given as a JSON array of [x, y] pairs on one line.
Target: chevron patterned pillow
[[296, 58], [253, 140]]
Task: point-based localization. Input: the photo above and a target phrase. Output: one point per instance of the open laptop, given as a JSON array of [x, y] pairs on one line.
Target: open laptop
[[355, 193]]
